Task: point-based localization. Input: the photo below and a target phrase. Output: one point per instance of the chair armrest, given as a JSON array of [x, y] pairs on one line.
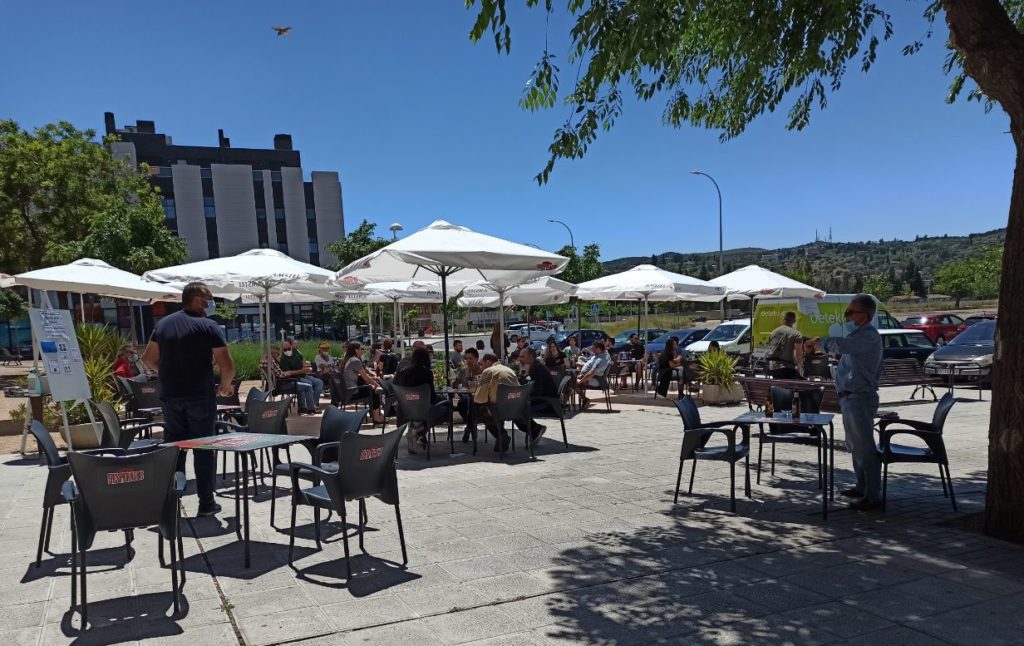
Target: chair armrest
[[719, 425], [110, 451], [179, 482], [884, 424], [228, 427], [69, 491], [554, 402], [136, 420], [922, 430], [318, 455], [295, 468]]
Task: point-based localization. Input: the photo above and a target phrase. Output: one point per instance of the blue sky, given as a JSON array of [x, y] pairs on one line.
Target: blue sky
[[422, 124]]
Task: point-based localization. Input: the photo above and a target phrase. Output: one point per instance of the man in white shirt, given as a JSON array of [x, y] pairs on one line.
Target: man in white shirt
[[596, 366]]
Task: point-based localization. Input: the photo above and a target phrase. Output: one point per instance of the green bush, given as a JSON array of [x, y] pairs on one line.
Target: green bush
[[717, 368], [247, 354]]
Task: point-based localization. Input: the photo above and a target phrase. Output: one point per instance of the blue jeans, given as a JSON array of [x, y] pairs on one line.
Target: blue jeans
[[859, 411], [310, 388], [187, 419]]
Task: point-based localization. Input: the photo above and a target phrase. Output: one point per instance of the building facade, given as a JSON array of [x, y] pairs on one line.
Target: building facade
[[222, 201]]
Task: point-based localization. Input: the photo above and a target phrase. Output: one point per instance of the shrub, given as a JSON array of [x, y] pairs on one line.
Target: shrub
[[717, 368]]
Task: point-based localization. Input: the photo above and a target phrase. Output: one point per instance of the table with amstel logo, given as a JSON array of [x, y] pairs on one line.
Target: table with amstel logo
[[243, 445]]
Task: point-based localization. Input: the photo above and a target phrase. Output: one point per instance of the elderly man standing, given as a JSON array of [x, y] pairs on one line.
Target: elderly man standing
[[294, 366], [857, 378]]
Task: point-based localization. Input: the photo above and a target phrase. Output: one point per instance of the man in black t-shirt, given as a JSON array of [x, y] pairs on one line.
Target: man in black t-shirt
[[182, 349], [543, 386]]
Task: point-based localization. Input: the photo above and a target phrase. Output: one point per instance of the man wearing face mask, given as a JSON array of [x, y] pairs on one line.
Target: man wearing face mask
[[183, 348], [294, 366], [857, 378]]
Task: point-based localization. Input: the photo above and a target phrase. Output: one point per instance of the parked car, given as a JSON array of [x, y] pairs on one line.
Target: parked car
[[969, 355], [732, 336], [976, 318], [531, 331], [588, 337], [940, 328], [906, 344], [622, 338], [686, 336]]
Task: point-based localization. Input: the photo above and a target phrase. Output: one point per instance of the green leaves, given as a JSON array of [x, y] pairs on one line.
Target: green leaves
[[356, 244]]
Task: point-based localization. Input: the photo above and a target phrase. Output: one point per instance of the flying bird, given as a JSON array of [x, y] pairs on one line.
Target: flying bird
[[281, 31]]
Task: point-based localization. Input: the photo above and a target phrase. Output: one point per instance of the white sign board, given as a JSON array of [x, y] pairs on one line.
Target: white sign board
[[61, 358]]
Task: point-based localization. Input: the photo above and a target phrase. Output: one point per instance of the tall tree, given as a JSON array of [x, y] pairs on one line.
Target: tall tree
[[721, 64], [64, 196], [359, 242], [581, 268]]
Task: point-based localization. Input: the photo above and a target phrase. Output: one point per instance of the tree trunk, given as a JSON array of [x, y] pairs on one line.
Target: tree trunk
[[993, 53]]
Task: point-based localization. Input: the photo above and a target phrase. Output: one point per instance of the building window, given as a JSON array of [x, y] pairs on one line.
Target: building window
[[313, 248], [205, 173], [163, 171], [209, 209], [261, 214], [257, 176], [275, 176], [279, 214], [169, 210], [310, 214]]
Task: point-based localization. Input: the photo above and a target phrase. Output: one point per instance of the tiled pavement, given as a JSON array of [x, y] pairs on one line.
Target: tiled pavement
[[582, 546]]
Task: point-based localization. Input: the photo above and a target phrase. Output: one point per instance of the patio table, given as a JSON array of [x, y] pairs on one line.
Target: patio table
[[451, 393], [243, 445], [809, 421]]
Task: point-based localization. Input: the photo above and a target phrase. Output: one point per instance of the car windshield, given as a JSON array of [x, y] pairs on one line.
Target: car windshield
[[916, 320], [971, 320], [919, 341], [983, 332], [726, 332]]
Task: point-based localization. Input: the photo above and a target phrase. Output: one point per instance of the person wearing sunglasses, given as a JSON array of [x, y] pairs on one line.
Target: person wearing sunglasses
[[857, 375]]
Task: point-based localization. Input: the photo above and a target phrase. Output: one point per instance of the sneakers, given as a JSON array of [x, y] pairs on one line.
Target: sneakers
[[852, 492], [208, 509], [538, 433], [866, 504]]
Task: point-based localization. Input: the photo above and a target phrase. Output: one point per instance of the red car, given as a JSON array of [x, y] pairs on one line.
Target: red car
[[940, 328], [975, 318]]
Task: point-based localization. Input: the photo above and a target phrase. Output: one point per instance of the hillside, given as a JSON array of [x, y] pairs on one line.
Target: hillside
[[832, 266]]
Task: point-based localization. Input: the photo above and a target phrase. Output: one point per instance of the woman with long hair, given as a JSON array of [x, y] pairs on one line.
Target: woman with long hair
[[418, 373], [554, 358], [668, 362], [358, 380]]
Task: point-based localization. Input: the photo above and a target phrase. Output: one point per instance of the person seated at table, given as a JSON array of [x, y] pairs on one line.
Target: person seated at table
[[455, 356], [294, 365], [359, 382], [542, 385], [387, 362], [123, 363], [554, 358], [668, 363], [572, 351], [513, 358], [405, 362], [303, 390], [419, 373], [595, 366], [467, 377], [324, 362], [494, 374]]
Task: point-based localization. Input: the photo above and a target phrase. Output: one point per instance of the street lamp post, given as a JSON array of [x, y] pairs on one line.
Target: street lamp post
[[395, 228], [572, 243], [721, 250]]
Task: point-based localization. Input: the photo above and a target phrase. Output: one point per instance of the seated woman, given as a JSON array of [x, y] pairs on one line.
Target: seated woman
[[668, 362], [123, 363], [324, 362], [554, 358], [359, 381], [418, 373]]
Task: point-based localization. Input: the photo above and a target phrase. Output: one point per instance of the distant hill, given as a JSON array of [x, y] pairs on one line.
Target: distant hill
[[832, 266]]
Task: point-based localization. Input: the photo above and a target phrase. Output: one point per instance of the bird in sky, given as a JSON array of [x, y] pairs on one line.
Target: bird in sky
[[281, 31]]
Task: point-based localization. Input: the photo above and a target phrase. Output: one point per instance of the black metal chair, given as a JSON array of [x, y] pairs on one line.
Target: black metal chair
[[512, 404], [58, 473], [415, 406], [145, 397], [555, 403], [233, 399], [120, 436], [695, 439], [782, 399], [333, 425], [283, 387], [366, 467], [603, 385], [122, 493], [934, 451], [270, 417]]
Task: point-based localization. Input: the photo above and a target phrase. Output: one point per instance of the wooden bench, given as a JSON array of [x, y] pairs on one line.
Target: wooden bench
[[908, 372], [757, 389]]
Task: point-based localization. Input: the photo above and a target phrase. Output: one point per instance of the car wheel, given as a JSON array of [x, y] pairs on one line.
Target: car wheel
[[941, 341]]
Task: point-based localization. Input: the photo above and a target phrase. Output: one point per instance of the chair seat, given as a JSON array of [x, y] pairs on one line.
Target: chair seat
[[317, 496], [141, 445], [720, 452], [903, 453], [284, 469]]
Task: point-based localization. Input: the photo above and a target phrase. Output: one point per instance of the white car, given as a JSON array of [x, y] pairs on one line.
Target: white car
[[532, 331], [733, 337]]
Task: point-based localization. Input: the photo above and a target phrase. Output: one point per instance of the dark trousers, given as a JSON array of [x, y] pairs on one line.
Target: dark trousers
[[187, 419], [364, 391]]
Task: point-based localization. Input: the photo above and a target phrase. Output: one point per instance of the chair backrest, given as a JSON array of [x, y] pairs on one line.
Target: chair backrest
[[268, 417], [233, 400], [111, 426], [339, 391], [337, 422], [366, 467], [563, 385], [688, 412], [390, 362], [123, 387], [45, 443], [413, 403], [125, 491], [145, 393], [782, 398], [810, 400], [942, 410], [512, 403], [254, 395]]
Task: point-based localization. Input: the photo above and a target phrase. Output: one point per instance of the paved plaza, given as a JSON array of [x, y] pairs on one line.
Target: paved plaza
[[581, 546]]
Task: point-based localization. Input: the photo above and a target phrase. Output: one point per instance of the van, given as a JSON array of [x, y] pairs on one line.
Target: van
[[815, 317], [733, 337]]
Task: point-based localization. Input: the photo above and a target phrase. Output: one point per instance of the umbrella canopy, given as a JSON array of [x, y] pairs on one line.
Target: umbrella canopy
[[408, 291], [646, 282], [257, 271], [458, 254], [91, 276], [753, 281], [542, 291]]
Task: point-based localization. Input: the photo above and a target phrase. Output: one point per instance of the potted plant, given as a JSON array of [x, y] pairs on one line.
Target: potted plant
[[718, 379]]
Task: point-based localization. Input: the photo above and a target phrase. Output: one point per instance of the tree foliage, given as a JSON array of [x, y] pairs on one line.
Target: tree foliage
[[977, 276], [63, 196], [880, 287], [360, 242], [581, 268], [12, 305]]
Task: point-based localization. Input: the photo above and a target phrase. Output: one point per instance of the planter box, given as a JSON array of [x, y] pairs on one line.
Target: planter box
[[85, 436], [721, 394]]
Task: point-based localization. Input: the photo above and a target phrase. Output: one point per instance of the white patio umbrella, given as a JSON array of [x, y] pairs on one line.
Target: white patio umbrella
[[546, 290], [646, 283], [396, 293], [753, 281], [91, 276], [457, 256], [267, 274]]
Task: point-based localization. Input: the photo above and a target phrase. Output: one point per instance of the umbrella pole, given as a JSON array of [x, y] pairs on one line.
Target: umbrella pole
[[501, 324], [266, 335], [444, 319], [81, 299], [142, 324], [369, 321], [638, 316]]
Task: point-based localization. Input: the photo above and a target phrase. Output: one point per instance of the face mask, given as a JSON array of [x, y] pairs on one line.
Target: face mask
[[849, 327], [210, 307], [287, 353], [325, 355]]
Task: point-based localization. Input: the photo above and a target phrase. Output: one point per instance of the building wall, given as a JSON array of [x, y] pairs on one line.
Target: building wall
[[295, 213], [124, 150], [188, 201], [330, 219], [236, 208], [268, 199]]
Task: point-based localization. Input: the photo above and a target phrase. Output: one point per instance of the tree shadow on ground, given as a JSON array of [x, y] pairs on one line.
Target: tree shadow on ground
[[769, 574]]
